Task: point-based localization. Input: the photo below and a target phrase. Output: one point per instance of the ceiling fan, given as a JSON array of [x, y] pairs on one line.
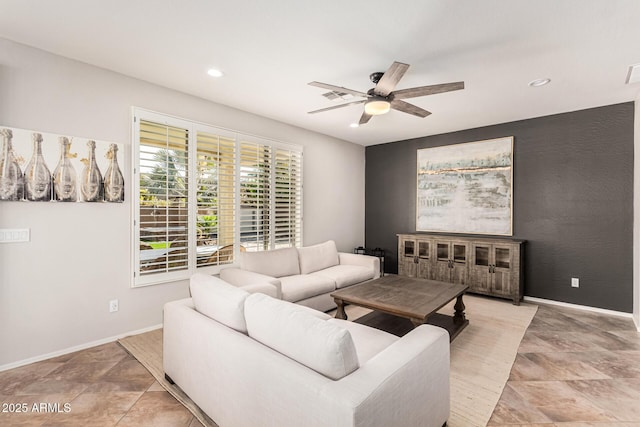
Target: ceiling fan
[[381, 98]]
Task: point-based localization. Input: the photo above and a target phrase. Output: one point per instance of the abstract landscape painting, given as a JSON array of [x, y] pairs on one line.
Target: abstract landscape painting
[[466, 188]]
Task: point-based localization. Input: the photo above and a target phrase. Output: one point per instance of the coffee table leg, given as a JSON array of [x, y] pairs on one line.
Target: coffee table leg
[[417, 322], [458, 316], [340, 313]]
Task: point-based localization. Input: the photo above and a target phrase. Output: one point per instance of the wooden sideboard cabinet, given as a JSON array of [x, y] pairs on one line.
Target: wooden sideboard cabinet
[[489, 266]]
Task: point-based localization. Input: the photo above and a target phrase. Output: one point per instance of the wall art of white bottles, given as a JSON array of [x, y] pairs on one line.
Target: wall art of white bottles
[[11, 177], [37, 176], [91, 185], [59, 168], [113, 179]]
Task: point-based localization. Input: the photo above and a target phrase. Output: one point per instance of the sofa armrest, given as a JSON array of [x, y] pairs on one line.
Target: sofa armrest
[[361, 260], [411, 376], [242, 278]]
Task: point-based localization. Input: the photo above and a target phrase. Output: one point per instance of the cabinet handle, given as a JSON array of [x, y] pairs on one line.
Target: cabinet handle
[[415, 259]]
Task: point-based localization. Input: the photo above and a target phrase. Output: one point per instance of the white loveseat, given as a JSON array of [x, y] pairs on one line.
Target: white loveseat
[[307, 275], [253, 360]]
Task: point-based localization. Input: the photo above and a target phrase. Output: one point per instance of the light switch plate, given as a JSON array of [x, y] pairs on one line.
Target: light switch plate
[[14, 235]]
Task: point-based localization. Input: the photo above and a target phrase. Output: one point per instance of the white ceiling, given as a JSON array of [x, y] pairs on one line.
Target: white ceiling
[[270, 50]]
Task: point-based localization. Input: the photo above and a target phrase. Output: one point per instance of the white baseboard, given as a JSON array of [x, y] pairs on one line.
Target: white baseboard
[[76, 348], [579, 307]]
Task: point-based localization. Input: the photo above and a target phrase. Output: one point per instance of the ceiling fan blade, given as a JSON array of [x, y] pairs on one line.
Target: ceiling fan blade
[[427, 90], [333, 107], [405, 107], [390, 78], [338, 89], [364, 118]]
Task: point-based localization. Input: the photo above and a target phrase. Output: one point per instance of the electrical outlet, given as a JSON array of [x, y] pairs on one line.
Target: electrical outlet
[[575, 282], [113, 306]]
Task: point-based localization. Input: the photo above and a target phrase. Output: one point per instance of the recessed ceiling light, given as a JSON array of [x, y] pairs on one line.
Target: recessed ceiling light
[[215, 73], [354, 125], [539, 82]]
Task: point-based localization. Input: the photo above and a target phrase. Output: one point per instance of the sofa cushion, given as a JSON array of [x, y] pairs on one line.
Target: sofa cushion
[[303, 286], [291, 330], [318, 257], [346, 275], [274, 263], [368, 341], [315, 313], [219, 300]]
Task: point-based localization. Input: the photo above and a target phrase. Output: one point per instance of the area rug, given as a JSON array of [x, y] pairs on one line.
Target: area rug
[[147, 348], [481, 358]]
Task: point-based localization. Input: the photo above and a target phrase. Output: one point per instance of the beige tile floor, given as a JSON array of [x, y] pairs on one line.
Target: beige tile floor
[[573, 369], [102, 386]]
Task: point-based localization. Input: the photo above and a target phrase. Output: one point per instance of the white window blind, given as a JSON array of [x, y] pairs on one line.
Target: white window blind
[[163, 193], [215, 199], [288, 198], [204, 194], [255, 196]]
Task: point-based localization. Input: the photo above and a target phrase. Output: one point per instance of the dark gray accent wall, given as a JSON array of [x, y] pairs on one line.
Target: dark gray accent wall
[[573, 201]]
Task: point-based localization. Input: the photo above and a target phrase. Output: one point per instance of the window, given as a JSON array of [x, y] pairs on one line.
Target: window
[[287, 199], [163, 216], [215, 199], [203, 194], [255, 195], [270, 196]]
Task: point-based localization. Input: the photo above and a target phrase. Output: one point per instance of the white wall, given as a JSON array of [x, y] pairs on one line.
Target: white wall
[[636, 215], [54, 290]]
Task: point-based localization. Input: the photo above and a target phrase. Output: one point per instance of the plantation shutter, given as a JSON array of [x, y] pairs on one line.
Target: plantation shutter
[[288, 198], [255, 196], [203, 194], [163, 187], [215, 195]]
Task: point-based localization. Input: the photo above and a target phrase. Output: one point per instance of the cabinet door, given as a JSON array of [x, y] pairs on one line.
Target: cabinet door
[[442, 265], [459, 257], [424, 259], [502, 270], [406, 258], [479, 270]]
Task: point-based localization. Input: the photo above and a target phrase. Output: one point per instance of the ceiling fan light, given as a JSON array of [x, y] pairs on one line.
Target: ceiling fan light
[[375, 107]]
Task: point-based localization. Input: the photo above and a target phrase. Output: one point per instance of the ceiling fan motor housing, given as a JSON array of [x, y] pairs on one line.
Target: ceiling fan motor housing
[[375, 77], [372, 94]]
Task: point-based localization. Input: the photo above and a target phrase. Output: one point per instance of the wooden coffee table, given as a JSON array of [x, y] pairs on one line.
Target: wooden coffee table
[[409, 298]]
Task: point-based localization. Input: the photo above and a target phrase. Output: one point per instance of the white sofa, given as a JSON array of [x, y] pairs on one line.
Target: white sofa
[[306, 275], [253, 360]]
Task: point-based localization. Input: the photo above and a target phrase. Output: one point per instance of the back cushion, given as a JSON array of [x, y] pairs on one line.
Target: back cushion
[[318, 257], [299, 334], [275, 263], [219, 300]]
